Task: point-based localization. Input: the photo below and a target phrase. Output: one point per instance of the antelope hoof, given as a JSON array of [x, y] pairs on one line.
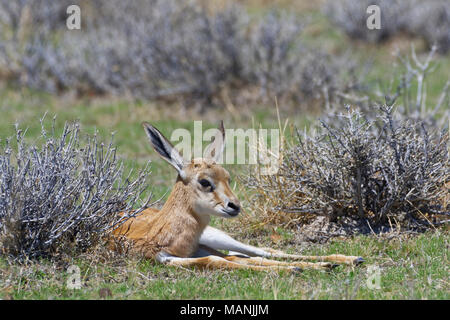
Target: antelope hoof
[[328, 266], [297, 270], [333, 266]]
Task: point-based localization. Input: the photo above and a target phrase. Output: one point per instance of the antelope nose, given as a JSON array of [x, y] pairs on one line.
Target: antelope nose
[[235, 207]]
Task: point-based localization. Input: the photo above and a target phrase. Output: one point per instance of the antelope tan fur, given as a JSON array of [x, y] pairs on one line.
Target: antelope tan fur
[[179, 234]]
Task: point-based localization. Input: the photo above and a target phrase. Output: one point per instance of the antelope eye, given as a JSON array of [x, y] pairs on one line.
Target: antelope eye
[[205, 183]]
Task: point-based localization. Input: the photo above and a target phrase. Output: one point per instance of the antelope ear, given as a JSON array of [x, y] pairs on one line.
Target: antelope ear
[[215, 149], [165, 149]]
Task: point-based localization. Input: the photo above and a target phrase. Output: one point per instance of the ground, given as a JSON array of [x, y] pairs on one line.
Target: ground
[[410, 266]]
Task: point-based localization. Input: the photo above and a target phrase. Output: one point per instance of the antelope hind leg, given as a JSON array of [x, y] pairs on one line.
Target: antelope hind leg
[[219, 240], [204, 251]]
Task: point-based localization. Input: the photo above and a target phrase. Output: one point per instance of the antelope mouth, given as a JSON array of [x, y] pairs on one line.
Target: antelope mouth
[[232, 213]]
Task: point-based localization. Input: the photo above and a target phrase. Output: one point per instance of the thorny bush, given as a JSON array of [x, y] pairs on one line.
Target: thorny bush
[[64, 196], [429, 20], [373, 167], [166, 49], [396, 176]]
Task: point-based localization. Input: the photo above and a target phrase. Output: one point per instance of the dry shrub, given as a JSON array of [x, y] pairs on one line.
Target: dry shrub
[[171, 49], [393, 176], [351, 16], [373, 167], [408, 85], [63, 197], [429, 20]]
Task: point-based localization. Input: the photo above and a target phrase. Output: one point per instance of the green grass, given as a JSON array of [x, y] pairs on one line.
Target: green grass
[[415, 267]]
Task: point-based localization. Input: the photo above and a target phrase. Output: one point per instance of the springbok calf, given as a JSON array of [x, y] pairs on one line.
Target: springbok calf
[[179, 234]]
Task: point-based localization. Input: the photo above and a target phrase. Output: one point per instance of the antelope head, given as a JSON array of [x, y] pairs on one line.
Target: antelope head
[[207, 181]]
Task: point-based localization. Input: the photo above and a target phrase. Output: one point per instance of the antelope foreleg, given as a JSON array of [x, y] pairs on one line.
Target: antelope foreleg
[[216, 262], [259, 261], [336, 258]]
